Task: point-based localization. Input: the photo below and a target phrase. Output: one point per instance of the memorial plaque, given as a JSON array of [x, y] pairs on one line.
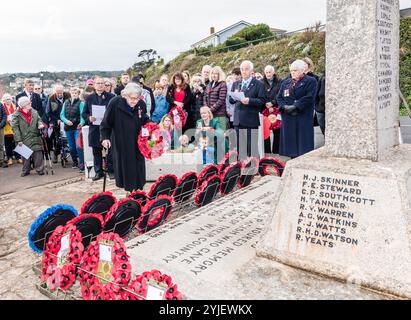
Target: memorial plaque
[[202, 250]]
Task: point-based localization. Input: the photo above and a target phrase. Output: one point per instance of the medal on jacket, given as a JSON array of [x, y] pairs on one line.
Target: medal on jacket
[[286, 93], [139, 112]]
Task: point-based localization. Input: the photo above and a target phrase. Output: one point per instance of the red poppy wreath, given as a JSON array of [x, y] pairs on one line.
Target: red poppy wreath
[[60, 258], [150, 141], [178, 117], [276, 124], [105, 268], [152, 285]]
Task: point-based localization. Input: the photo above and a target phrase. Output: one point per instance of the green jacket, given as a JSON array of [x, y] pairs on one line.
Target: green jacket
[[29, 134], [214, 123]]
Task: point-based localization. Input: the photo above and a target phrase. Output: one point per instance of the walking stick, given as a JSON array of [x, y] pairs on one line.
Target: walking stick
[[48, 154], [104, 168]]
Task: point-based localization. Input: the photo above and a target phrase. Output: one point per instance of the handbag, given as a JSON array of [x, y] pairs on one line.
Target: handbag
[[79, 140]]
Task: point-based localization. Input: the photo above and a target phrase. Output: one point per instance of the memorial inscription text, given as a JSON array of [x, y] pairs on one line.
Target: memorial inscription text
[[326, 217]]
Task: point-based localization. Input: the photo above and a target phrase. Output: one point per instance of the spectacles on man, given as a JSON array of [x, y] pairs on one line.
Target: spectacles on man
[[107, 85]]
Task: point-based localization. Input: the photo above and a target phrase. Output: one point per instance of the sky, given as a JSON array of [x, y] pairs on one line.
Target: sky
[[76, 35]]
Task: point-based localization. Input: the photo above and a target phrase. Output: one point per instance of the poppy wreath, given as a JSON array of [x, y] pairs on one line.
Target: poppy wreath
[[99, 203], [139, 196], [138, 288], [186, 187], [229, 178], [43, 227], [268, 163], [208, 191], [93, 231], [152, 145], [207, 172], [178, 117], [165, 185], [92, 287], [155, 212], [247, 177], [225, 163], [62, 276], [123, 216], [272, 116]]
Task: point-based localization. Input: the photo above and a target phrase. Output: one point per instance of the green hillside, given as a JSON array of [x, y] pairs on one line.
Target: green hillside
[[276, 52]]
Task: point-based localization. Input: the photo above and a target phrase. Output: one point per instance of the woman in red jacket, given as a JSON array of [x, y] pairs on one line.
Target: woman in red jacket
[[179, 94]]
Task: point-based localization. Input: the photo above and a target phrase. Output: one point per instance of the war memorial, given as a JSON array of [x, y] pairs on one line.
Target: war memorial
[[335, 225]]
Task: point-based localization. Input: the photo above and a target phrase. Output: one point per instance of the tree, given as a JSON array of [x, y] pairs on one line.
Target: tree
[[147, 58]]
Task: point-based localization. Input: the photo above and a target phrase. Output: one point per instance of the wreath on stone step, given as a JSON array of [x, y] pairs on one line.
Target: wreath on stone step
[[60, 258], [43, 227], [105, 268], [123, 216], [100, 203], [152, 285], [155, 213]]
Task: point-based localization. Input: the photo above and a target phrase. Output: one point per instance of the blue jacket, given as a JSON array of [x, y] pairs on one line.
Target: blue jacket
[[297, 132], [162, 108]]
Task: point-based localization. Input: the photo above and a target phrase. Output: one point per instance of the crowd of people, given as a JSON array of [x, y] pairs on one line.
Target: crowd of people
[[214, 104]]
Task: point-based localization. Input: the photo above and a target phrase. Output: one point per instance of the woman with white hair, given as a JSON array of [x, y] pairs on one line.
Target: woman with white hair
[[26, 126], [296, 99], [119, 130]]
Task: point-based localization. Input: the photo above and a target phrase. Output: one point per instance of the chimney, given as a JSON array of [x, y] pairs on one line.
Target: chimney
[[212, 30]]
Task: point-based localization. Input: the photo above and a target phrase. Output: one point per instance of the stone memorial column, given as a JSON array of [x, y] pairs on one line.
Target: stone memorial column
[[344, 210], [362, 47]]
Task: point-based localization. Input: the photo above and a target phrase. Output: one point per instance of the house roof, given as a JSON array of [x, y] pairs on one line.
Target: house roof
[[222, 31], [275, 30], [405, 12]]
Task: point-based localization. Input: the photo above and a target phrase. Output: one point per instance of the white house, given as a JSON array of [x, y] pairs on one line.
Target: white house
[[216, 38], [405, 13]]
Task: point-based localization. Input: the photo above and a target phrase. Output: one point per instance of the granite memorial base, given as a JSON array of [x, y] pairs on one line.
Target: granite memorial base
[[349, 219], [210, 253]]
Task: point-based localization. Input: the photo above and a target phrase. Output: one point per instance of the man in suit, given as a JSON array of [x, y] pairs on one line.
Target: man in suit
[[100, 99], [36, 102], [247, 111]]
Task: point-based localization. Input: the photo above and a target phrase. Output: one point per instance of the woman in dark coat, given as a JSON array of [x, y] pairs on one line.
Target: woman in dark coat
[[122, 122], [296, 100], [179, 94]]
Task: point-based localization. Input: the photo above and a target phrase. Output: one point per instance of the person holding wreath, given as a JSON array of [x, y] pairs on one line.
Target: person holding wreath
[[124, 117]]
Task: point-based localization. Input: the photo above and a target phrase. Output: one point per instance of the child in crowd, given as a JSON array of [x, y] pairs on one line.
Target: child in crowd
[[167, 130], [162, 106], [206, 149], [186, 146]]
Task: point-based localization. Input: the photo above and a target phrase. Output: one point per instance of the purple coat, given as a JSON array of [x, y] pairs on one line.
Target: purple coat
[[215, 98]]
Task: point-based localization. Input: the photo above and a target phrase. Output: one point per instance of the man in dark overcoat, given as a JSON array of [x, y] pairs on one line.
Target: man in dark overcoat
[[119, 130], [98, 98], [296, 99]]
